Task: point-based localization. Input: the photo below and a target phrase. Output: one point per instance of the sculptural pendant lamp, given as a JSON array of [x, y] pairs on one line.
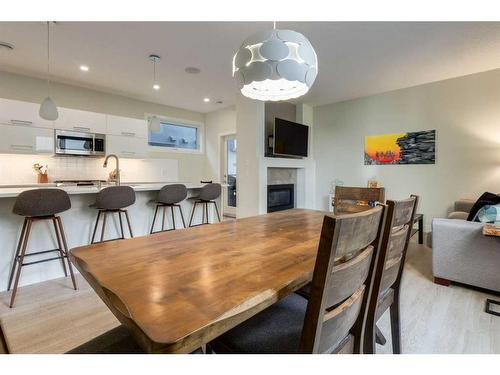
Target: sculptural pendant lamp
[[48, 108], [275, 65]]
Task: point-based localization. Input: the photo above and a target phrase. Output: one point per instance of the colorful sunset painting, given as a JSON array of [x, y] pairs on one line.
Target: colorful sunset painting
[[401, 148]]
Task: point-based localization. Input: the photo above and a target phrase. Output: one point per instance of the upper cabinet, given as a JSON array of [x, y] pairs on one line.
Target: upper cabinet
[[82, 121], [128, 127], [17, 139], [14, 112]]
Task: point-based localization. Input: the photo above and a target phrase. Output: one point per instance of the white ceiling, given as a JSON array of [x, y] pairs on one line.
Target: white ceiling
[[355, 59]]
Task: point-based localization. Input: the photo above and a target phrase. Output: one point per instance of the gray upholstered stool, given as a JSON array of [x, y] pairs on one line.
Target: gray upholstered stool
[[111, 200], [36, 205], [208, 194], [169, 196]]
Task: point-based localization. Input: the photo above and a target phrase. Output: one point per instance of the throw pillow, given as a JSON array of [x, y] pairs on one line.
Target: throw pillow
[[489, 214], [485, 199]]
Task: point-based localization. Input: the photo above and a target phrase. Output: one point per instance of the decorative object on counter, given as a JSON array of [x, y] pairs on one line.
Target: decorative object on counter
[[374, 184], [36, 205], [401, 148], [110, 200], [274, 65], [169, 196], [41, 173], [114, 176], [208, 194], [48, 108]]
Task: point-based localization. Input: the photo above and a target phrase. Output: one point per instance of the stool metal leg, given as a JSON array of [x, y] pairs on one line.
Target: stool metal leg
[[121, 224], [216, 210], [206, 211], [66, 250], [59, 244], [154, 218], [173, 217], [21, 260], [105, 213], [95, 227], [192, 213], [128, 222], [203, 205], [163, 219], [182, 216], [18, 250]]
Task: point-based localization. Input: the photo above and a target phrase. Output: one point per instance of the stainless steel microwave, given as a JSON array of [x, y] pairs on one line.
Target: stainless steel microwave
[[79, 143]]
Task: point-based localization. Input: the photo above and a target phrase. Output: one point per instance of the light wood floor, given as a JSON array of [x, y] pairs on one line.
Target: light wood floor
[[51, 317]]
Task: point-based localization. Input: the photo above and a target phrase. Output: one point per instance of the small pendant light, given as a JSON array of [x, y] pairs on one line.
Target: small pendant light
[[155, 59], [48, 108]]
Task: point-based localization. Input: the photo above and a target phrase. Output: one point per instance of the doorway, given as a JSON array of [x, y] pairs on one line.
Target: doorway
[[228, 161]]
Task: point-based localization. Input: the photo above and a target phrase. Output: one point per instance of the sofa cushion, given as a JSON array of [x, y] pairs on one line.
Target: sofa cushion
[[485, 199], [460, 215]]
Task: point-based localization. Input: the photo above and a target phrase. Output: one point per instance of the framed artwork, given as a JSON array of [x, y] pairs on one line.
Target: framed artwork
[[401, 148]]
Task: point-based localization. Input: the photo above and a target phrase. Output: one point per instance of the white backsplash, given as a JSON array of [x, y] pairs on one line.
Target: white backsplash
[[18, 169]]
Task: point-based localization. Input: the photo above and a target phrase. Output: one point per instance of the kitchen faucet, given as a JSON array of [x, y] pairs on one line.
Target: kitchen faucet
[[115, 175]]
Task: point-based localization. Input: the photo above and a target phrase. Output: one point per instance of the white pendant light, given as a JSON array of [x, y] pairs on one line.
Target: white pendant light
[[48, 108], [154, 124], [275, 65], [155, 59]]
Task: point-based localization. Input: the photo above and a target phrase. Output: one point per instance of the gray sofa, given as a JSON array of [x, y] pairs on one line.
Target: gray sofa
[[461, 253]]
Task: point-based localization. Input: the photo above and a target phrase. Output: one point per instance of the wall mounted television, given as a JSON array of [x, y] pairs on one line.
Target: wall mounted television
[[290, 138]]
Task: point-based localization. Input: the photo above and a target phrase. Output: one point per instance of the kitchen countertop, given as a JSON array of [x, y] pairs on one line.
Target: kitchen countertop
[[10, 191]]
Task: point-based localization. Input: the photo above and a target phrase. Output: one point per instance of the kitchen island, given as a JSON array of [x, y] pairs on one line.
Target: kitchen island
[[78, 222]]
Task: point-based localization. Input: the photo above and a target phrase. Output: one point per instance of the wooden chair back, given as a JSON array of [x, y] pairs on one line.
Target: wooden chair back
[[4, 349], [341, 282], [356, 199], [390, 263]]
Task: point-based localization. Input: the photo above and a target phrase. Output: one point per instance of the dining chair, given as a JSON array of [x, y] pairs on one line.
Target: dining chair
[[355, 199], [4, 348], [331, 321], [388, 273]]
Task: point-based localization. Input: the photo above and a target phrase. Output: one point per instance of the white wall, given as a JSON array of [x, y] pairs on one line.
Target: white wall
[[217, 124], [464, 111], [252, 175], [19, 87]]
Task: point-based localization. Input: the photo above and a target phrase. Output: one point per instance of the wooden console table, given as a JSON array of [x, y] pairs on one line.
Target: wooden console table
[[491, 230], [419, 219]]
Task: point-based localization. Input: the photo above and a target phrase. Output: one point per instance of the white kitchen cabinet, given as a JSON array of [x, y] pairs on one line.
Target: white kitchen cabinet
[[126, 146], [26, 140], [14, 112], [126, 126], [83, 121]]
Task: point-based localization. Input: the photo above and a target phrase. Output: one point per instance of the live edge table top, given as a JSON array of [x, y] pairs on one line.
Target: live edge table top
[[178, 290]]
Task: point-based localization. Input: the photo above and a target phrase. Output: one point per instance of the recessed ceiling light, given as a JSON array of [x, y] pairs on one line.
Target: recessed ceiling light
[[192, 70], [84, 68], [5, 45], [156, 86], [206, 100]]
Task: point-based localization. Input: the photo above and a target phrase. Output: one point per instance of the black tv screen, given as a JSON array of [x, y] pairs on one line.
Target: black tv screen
[[290, 138]]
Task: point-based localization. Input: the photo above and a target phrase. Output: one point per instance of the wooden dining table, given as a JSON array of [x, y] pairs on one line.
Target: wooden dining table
[[178, 290]]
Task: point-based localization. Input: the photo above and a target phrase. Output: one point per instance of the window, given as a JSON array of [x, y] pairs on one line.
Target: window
[[175, 136]]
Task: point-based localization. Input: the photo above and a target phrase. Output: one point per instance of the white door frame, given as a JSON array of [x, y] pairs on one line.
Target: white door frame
[[227, 210]]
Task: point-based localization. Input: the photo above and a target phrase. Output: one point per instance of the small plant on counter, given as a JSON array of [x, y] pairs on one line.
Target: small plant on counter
[[41, 171]]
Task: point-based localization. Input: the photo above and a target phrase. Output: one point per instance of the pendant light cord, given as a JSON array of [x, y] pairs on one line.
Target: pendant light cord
[[274, 25], [154, 71], [48, 58]]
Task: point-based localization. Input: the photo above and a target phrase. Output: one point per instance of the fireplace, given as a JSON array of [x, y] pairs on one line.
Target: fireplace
[[280, 197]]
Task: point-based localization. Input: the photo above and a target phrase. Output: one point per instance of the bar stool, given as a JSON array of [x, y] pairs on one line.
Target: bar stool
[[208, 193], [37, 205], [111, 200], [169, 196]]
